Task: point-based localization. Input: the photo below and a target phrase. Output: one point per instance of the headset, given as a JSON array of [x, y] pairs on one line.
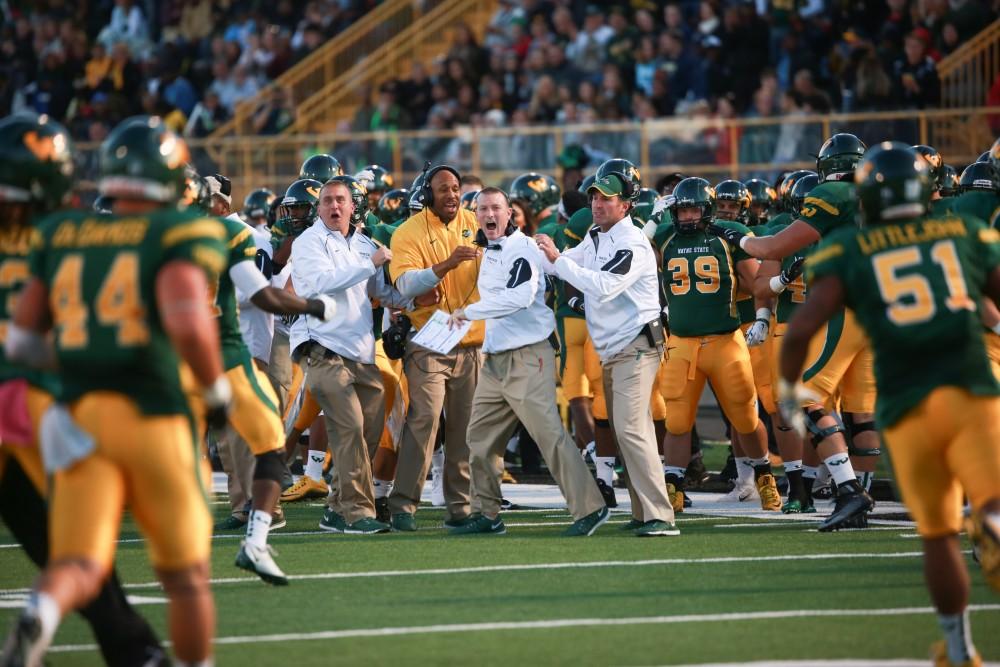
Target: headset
[[428, 192], [481, 239]]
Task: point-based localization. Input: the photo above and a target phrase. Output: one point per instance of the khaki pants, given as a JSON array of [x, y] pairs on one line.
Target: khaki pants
[[520, 385], [238, 462], [351, 396], [628, 382], [279, 368], [436, 382]]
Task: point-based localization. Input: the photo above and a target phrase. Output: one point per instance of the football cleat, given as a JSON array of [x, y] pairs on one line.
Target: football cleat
[[260, 560], [607, 493], [742, 492], [984, 531], [792, 506], [850, 508], [382, 513], [939, 654], [437, 488], [306, 488], [25, 646], [767, 489], [479, 525]]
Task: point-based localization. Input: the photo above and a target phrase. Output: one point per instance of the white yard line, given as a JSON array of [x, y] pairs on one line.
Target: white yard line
[[517, 567], [558, 624]]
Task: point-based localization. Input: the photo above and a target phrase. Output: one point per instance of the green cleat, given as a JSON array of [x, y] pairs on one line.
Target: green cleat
[[366, 526], [657, 528], [404, 522], [477, 524], [793, 506], [586, 526], [333, 522], [633, 524]]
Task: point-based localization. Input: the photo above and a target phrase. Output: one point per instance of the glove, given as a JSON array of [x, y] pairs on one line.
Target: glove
[[324, 307], [793, 271], [791, 399], [218, 399], [649, 229], [662, 204], [576, 304], [757, 333], [731, 236]]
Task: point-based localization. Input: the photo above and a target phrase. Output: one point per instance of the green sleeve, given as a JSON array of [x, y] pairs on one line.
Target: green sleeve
[[664, 231], [241, 245], [279, 232], [201, 241], [823, 210], [988, 241], [36, 254], [829, 258], [738, 253]]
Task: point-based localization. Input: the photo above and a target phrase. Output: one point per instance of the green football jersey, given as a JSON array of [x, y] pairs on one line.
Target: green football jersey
[[977, 203], [14, 273], [915, 288], [776, 224], [101, 273], [664, 231], [795, 294], [700, 282], [831, 205], [240, 247]]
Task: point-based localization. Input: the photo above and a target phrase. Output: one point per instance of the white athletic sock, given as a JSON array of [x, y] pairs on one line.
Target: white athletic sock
[[957, 636], [762, 461], [257, 528], [840, 468], [809, 472], [744, 470], [43, 607], [382, 488], [792, 466], [437, 461], [606, 469], [314, 464]]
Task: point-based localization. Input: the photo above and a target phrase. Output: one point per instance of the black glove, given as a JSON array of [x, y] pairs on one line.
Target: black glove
[[730, 236], [218, 399], [576, 304], [315, 308], [793, 271]]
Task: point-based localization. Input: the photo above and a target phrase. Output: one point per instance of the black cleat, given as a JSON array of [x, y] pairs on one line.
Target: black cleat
[[25, 646], [850, 508], [607, 493], [696, 473], [382, 513]]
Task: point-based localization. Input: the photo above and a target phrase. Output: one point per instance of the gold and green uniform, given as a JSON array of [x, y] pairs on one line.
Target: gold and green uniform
[[977, 203], [700, 284], [914, 289], [101, 273], [795, 294]]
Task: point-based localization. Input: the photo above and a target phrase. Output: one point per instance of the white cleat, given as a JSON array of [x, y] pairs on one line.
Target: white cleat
[[25, 646], [260, 560], [742, 493], [437, 488]]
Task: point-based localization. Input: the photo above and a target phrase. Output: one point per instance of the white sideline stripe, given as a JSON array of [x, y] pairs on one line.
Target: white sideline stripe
[[516, 567], [806, 522], [557, 623], [849, 662]]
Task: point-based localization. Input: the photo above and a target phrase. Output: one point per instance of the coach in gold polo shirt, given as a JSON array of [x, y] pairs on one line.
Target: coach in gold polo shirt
[[435, 262]]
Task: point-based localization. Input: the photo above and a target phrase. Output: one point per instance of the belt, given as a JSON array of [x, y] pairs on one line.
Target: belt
[[312, 347]]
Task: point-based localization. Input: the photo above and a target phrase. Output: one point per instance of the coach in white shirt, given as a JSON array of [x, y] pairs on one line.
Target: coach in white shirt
[[332, 259], [615, 269], [517, 380]]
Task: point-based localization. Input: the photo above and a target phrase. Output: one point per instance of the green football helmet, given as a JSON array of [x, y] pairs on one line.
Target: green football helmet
[[377, 180], [320, 168], [797, 196], [763, 201], [552, 193], [468, 201], [785, 192], [142, 159], [297, 209], [839, 155], [985, 156], [36, 163], [731, 190], [258, 204], [586, 183], [949, 181], [934, 161], [359, 195], [646, 196], [629, 173], [894, 183], [416, 203], [197, 194], [102, 205], [979, 176], [693, 192], [393, 206], [531, 190], [994, 155]]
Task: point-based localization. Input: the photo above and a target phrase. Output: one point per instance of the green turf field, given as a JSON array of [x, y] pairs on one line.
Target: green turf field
[[729, 589]]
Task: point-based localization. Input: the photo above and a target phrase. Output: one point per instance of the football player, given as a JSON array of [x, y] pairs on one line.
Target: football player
[[914, 284], [124, 298], [843, 361]]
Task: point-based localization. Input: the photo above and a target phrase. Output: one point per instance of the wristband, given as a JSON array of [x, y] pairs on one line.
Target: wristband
[[764, 315], [219, 393], [743, 242], [777, 285]]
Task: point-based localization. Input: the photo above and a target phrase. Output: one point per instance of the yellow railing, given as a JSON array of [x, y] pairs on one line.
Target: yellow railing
[[336, 55], [693, 146], [421, 40], [967, 74]]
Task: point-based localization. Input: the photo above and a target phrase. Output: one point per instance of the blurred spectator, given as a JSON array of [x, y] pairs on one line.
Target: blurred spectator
[[128, 24], [274, 114], [467, 51], [206, 116], [417, 92], [915, 81]]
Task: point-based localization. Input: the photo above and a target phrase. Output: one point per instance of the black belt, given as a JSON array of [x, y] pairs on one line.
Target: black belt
[[311, 347]]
